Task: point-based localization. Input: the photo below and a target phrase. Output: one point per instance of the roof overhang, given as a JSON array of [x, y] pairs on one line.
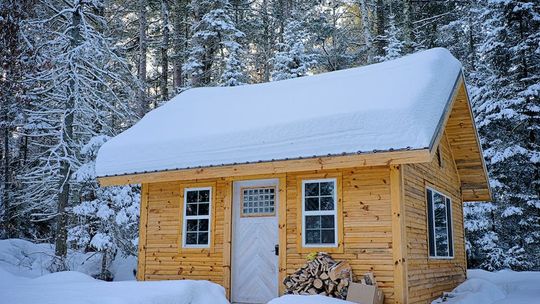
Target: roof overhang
[[382, 158], [460, 129]]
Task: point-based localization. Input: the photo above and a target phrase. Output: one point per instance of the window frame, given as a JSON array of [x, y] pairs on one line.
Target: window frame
[[431, 226], [333, 212], [186, 217]]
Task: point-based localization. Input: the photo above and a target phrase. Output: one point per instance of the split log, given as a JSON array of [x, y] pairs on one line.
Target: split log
[[322, 275]]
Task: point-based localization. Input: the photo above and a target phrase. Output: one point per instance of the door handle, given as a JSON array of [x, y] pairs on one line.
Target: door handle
[[276, 249]]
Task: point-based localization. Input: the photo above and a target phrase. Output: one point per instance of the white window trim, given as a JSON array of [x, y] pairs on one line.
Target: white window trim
[[197, 217], [451, 226], [319, 212]]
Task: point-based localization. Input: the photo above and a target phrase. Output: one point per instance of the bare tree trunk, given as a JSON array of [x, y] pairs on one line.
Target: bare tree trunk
[[143, 101], [368, 38], [6, 204], [407, 26], [164, 51], [178, 17], [65, 166], [380, 27]]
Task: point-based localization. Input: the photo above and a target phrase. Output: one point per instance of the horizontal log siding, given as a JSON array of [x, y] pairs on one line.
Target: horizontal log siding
[[367, 224], [165, 259], [428, 278]]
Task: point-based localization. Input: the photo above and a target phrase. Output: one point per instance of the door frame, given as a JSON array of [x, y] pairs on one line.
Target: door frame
[[228, 227]]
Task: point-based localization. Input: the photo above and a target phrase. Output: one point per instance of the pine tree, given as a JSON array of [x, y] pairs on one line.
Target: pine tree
[[14, 62], [507, 103], [106, 218], [213, 31], [293, 60], [394, 45], [234, 72], [82, 89]]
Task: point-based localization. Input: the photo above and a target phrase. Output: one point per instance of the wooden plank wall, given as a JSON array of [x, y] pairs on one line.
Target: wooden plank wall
[[428, 278], [367, 223], [165, 259]]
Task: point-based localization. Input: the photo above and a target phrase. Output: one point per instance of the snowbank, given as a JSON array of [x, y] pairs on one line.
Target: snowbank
[[26, 259], [76, 288], [295, 299], [506, 286], [396, 104]]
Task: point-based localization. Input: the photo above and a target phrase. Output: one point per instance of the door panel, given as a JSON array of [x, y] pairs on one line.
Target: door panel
[[255, 235]]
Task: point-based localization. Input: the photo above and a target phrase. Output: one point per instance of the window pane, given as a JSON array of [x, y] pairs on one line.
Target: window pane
[[204, 196], [191, 238], [312, 203], [203, 238], [441, 225], [313, 236], [311, 189], [313, 222], [203, 209], [327, 188], [203, 225], [191, 209], [327, 221], [328, 236], [191, 225], [327, 203], [191, 196]]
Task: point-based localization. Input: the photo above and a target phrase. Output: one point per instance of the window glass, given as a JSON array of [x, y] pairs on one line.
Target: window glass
[[258, 201], [319, 204], [440, 224], [197, 217]]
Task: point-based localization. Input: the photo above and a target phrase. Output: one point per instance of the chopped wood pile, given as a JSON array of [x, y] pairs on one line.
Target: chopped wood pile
[[323, 276]]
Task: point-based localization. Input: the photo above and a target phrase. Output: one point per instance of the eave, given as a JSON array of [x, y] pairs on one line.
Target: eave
[[383, 158]]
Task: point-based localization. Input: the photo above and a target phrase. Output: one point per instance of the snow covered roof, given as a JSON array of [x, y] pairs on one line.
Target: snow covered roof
[[394, 105]]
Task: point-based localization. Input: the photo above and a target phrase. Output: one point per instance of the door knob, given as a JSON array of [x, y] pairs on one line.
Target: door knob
[[276, 249]]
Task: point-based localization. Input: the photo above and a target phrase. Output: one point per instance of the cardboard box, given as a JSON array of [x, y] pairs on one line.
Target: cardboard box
[[364, 294]]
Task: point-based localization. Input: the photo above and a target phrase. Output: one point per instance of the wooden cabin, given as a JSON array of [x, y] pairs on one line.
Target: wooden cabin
[[370, 164]]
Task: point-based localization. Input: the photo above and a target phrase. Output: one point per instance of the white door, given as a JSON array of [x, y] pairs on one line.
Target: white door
[[255, 236]]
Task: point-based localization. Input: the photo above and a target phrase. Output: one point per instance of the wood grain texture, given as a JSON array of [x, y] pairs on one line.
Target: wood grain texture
[[463, 139], [399, 236], [273, 167], [428, 278]]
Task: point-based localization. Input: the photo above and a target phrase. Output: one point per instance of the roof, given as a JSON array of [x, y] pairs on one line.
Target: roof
[[393, 106]]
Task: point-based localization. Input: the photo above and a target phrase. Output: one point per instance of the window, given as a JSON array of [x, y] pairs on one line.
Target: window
[[258, 201], [197, 206], [440, 225], [319, 211]]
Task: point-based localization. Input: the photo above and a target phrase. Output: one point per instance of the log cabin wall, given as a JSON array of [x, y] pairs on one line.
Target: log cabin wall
[[428, 277], [162, 256], [366, 223], [365, 233]]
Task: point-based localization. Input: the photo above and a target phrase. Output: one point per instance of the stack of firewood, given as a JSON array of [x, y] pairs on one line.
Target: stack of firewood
[[322, 275]]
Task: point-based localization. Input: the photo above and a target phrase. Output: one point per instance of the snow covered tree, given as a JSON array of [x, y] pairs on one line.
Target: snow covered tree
[[213, 30], [82, 89], [106, 219], [14, 63], [234, 72], [394, 45], [293, 60], [507, 101]]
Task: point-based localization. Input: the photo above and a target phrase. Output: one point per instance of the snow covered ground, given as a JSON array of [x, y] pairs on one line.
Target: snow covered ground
[[24, 279], [70, 287], [505, 286], [26, 259]]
